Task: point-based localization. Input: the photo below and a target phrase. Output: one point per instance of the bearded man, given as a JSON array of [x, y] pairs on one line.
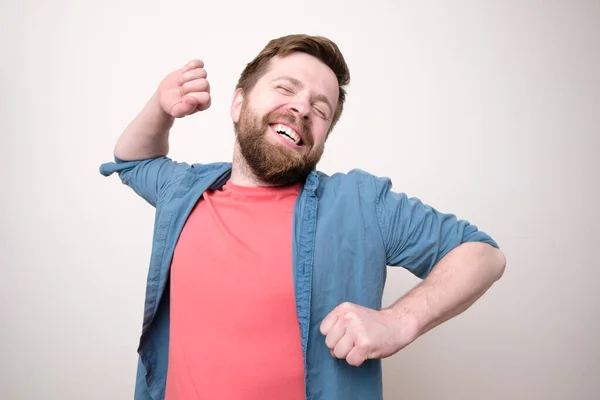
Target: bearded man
[[266, 276]]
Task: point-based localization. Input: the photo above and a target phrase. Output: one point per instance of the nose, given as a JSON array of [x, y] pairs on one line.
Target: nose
[[301, 108]]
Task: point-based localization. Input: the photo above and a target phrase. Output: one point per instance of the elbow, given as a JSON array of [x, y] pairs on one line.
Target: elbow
[[498, 263], [489, 259]]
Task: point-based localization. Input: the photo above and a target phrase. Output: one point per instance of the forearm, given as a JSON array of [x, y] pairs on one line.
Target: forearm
[[453, 285], [147, 136]]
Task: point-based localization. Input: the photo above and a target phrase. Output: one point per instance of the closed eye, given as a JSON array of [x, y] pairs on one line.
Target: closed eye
[[285, 89], [320, 113]]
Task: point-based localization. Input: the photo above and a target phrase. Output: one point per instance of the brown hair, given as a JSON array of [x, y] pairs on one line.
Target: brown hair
[[316, 46]]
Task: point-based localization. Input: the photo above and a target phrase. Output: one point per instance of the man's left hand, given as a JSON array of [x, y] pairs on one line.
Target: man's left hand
[[357, 333]]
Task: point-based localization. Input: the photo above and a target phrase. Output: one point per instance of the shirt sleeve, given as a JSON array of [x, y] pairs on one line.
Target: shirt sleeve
[[151, 179], [415, 235]]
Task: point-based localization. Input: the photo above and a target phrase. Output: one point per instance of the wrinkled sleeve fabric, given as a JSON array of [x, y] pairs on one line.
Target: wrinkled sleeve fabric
[[415, 235], [151, 179]]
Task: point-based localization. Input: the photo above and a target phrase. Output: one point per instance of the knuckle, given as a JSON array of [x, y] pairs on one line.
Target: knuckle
[[350, 316], [200, 73], [363, 343], [329, 342]]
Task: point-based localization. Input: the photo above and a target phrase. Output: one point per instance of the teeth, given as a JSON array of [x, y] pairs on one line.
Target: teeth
[[288, 139], [293, 135]]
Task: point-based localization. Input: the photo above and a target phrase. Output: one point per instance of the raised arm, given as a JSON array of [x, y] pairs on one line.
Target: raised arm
[[182, 92]]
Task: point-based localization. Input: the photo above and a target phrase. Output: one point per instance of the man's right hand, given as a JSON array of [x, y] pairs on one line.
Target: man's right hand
[[185, 91]]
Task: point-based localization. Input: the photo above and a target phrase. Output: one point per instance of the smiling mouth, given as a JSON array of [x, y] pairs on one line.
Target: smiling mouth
[[288, 133]]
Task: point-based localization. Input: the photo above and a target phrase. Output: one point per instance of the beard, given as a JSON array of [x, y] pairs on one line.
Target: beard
[[273, 164]]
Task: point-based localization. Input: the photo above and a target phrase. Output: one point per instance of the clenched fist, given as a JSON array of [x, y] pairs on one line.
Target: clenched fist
[[357, 333], [185, 91]]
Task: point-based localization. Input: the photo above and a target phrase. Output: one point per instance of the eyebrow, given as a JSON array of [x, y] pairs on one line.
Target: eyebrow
[[298, 84]]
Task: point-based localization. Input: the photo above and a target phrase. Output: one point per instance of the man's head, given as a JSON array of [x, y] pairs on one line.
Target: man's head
[[286, 102]]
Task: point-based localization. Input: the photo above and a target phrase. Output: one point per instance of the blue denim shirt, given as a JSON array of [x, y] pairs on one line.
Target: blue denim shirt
[[346, 229]]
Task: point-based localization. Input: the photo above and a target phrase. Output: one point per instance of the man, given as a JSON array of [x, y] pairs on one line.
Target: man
[[266, 276]]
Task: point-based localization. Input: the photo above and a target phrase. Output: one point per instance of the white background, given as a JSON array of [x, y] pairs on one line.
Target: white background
[[488, 110]]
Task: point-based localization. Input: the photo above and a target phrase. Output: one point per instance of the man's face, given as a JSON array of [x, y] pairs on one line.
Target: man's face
[[282, 124]]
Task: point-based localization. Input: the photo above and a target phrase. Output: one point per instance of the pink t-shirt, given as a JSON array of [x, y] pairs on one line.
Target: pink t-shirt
[[234, 332]]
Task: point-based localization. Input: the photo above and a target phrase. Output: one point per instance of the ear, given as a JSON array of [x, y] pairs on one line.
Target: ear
[[236, 105]]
